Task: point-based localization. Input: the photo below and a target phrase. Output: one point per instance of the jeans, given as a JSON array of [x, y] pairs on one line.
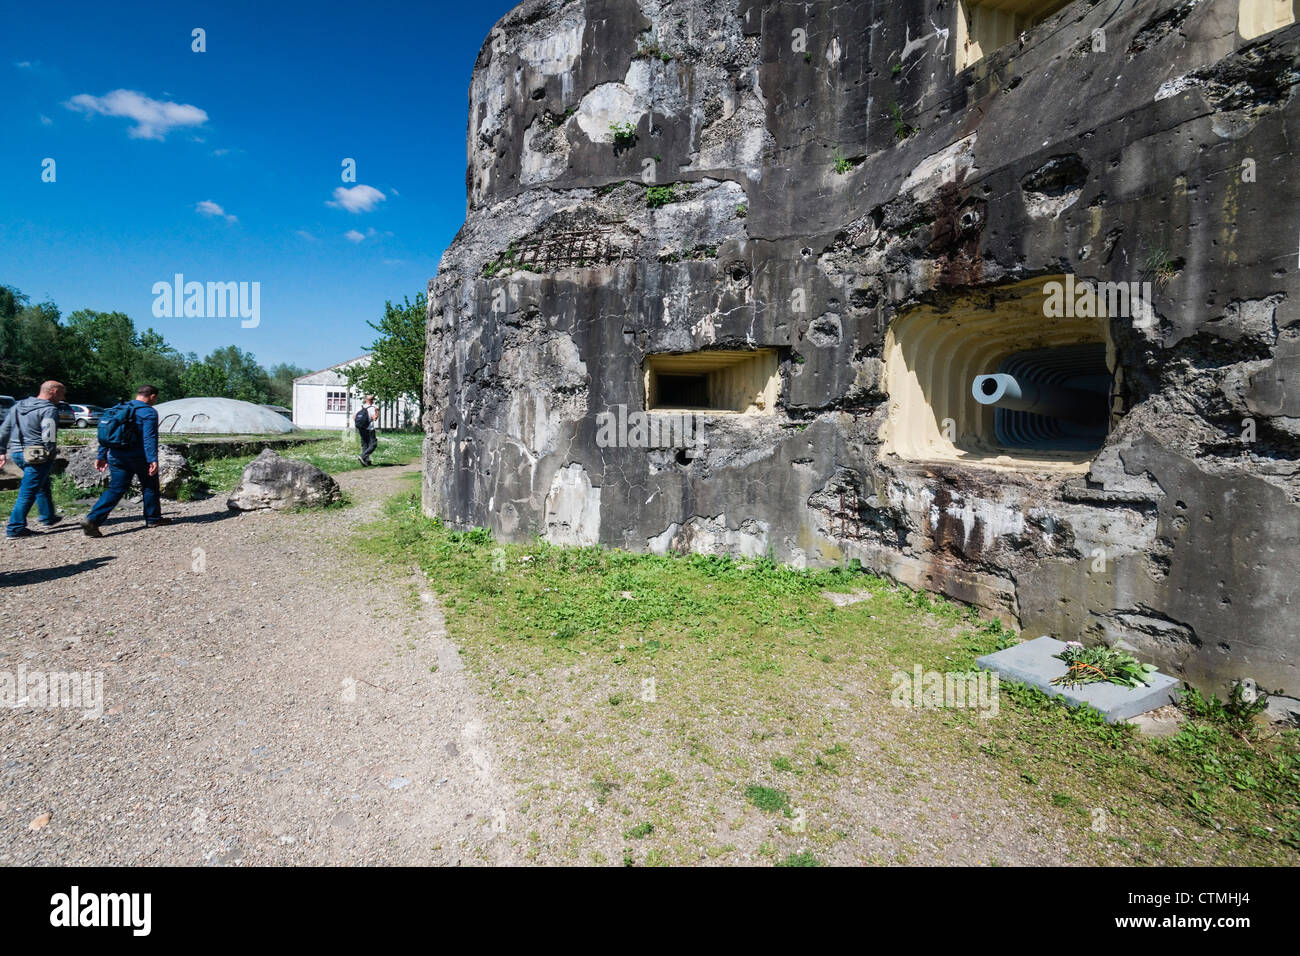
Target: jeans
[[120, 473], [369, 442], [35, 487]]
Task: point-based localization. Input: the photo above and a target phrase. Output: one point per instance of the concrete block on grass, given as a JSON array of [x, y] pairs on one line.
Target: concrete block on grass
[[1034, 663]]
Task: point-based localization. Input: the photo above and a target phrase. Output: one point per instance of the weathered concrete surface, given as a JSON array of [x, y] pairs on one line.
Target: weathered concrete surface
[[1035, 663], [1158, 150], [281, 484], [219, 416]]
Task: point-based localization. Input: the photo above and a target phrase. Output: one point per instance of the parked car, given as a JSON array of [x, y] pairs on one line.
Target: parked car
[[6, 402], [67, 416], [87, 416]]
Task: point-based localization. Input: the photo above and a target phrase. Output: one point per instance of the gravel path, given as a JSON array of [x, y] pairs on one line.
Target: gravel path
[[266, 700]]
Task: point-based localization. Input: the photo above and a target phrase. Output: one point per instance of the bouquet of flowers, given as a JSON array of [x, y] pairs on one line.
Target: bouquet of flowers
[[1091, 665]]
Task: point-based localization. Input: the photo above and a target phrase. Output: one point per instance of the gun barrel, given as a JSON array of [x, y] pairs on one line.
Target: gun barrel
[[1008, 391]]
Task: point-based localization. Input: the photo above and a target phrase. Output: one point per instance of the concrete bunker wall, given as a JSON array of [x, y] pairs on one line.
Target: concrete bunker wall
[[825, 206]]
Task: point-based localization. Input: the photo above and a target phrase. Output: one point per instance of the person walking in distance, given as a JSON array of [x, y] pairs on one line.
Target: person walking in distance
[[128, 448], [367, 421], [29, 435]]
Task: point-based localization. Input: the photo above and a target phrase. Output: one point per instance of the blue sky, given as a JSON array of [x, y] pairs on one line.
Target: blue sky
[[224, 165]]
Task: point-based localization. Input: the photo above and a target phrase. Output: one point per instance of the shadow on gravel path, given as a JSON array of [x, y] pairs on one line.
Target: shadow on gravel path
[[269, 697]]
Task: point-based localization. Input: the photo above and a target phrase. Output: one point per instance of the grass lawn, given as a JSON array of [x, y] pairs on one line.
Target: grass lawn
[[218, 476], [694, 709]]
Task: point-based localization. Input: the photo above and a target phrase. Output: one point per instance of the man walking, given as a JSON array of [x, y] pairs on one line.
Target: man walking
[[366, 421], [128, 448], [29, 435]]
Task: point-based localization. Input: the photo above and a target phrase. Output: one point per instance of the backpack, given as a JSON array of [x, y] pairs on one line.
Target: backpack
[[118, 427], [362, 419]]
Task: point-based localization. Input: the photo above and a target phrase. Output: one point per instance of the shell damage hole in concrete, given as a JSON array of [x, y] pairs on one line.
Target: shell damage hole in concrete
[[743, 382], [1058, 176], [987, 25], [990, 379]]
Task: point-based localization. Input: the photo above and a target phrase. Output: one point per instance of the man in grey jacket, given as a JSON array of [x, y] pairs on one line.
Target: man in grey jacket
[[31, 424]]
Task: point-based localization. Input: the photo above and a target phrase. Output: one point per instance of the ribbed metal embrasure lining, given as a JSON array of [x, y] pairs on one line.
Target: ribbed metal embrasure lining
[[1071, 366]]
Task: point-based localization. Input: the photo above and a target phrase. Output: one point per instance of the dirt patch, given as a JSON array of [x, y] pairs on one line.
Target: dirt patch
[[268, 698]]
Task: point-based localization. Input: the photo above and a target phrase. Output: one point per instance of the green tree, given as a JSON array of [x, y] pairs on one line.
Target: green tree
[[109, 359], [109, 345], [12, 303], [228, 372], [34, 345], [102, 358], [201, 379], [162, 369], [396, 367], [282, 377], [159, 364]]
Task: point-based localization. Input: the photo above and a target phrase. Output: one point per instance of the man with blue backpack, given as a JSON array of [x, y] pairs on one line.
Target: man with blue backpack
[[128, 448]]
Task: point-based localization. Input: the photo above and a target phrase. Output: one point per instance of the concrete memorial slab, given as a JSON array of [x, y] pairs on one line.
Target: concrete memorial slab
[[1034, 663]]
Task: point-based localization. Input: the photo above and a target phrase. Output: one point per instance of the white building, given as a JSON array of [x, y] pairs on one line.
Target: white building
[[323, 400]]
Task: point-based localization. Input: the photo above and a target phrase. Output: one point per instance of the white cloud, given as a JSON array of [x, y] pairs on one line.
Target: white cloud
[[28, 64], [209, 208], [360, 198], [304, 234], [353, 236], [154, 119], [46, 121]]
